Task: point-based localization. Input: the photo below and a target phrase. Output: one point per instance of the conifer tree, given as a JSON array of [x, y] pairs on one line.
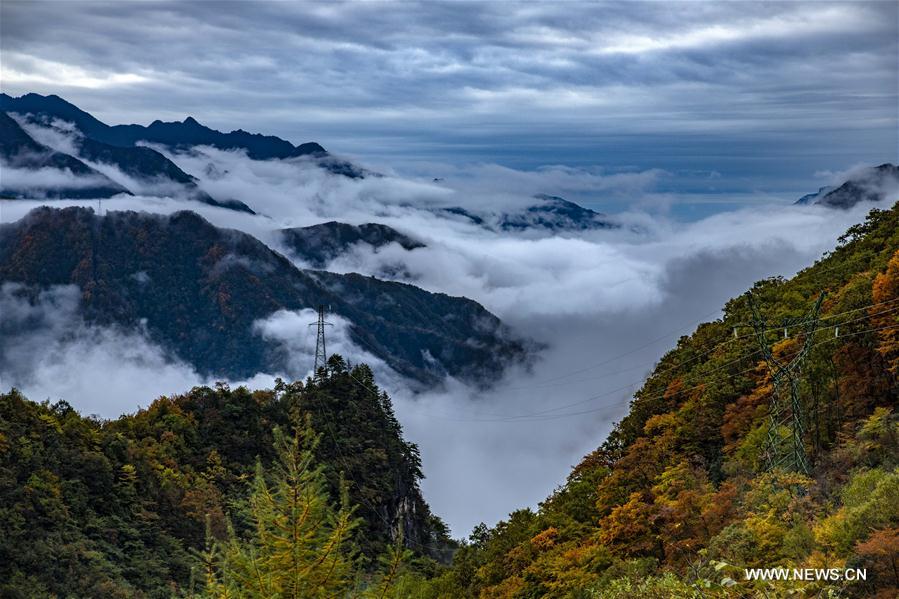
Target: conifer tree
[[299, 544]]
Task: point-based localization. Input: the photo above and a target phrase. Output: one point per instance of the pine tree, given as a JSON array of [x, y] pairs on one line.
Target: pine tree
[[299, 546]]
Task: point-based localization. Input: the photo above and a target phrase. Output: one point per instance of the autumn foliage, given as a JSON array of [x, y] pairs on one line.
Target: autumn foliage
[[678, 499]]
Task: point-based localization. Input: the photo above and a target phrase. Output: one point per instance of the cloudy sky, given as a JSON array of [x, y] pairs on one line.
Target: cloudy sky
[[729, 102]]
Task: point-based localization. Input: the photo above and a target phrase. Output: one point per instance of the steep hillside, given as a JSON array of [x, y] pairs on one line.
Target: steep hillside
[[198, 290], [679, 499], [122, 508]]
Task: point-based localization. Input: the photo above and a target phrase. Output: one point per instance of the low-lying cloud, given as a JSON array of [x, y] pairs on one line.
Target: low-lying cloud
[[606, 304], [49, 353], [36, 182]]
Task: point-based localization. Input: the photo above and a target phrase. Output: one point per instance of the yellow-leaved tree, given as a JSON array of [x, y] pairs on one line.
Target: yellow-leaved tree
[[885, 291], [298, 545]]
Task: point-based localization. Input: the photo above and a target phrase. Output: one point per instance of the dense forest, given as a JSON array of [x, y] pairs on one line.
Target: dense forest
[[198, 291], [309, 490], [135, 507]]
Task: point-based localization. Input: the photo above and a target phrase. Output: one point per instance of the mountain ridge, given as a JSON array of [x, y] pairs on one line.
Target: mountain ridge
[[321, 243], [178, 135], [20, 150], [203, 289], [872, 184]]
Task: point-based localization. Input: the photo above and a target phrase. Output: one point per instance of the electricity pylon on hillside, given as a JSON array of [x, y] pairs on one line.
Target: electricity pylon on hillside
[[786, 416], [321, 351]]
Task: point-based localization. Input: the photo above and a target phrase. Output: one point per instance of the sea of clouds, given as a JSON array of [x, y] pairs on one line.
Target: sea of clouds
[[606, 304]]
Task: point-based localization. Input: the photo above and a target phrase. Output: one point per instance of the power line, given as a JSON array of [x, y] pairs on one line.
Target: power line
[[713, 349], [627, 353], [593, 410], [553, 381], [721, 367], [530, 416]]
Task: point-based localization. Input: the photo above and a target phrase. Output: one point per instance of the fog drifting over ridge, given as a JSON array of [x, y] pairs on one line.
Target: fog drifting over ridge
[[588, 296]]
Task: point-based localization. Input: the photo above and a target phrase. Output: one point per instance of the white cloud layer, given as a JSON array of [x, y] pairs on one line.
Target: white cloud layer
[[27, 180], [589, 296]]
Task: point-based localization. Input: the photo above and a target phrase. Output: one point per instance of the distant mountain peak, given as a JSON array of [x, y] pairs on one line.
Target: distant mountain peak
[[550, 213], [318, 244], [867, 185]]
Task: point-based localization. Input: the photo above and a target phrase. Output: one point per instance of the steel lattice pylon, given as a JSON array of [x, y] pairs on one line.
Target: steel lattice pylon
[[321, 352], [786, 416]]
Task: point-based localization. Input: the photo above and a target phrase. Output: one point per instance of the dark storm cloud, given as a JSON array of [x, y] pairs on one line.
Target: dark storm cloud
[[764, 93]]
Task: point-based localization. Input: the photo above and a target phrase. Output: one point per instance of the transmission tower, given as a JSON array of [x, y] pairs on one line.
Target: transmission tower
[[786, 412], [321, 352]]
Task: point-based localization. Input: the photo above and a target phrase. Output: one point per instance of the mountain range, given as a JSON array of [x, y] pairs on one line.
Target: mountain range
[[147, 171], [22, 153], [118, 161], [176, 135], [199, 291], [144, 169]]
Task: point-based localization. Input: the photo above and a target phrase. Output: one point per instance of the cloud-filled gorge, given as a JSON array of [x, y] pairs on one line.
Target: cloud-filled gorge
[[602, 304]]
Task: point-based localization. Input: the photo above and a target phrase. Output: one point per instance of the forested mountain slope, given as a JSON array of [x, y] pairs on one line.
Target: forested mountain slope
[[199, 290], [122, 508], [678, 500]]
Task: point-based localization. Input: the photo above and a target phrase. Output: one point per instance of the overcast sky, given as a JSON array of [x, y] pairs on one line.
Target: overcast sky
[[733, 100]]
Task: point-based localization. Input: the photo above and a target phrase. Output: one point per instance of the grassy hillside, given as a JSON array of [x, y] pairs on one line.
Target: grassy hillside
[[678, 500]]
